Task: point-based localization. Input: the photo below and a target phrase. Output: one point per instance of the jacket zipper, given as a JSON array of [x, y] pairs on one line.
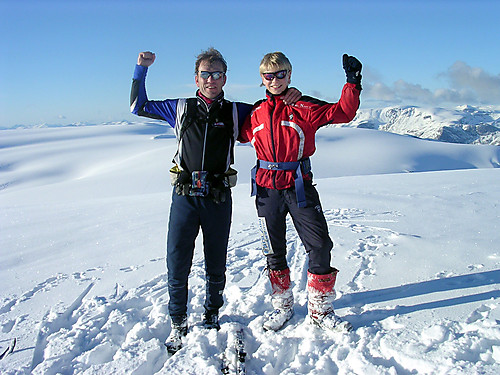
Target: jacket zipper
[[205, 136], [204, 147], [272, 138]]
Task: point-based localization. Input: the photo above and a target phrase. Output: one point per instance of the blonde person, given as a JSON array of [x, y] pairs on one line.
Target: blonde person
[[283, 136]]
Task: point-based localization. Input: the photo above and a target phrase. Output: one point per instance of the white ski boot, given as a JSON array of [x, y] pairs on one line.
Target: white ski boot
[[282, 300], [320, 304]]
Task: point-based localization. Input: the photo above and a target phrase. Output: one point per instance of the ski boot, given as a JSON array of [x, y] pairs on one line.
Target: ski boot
[[321, 293], [174, 340], [211, 320], [282, 300]]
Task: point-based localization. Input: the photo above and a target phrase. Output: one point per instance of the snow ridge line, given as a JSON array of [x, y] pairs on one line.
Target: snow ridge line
[[46, 329]]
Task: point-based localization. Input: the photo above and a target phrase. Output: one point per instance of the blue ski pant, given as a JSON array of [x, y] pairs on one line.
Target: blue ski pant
[[187, 215], [273, 206]]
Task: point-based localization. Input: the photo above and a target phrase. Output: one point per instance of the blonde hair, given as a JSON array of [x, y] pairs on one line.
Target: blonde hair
[[273, 62]]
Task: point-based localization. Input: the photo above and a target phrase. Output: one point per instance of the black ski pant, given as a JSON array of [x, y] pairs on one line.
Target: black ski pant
[[187, 215], [272, 208]]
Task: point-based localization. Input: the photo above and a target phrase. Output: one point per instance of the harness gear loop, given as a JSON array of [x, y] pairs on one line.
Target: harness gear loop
[[300, 167]]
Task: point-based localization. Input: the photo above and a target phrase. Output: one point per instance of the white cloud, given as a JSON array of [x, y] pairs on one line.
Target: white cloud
[[379, 91], [483, 84], [467, 85]]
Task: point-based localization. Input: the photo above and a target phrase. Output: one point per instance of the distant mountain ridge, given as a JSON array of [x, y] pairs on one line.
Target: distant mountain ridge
[[464, 124]]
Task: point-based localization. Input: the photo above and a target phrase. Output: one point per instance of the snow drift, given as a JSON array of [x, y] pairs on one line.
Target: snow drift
[[83, 218]]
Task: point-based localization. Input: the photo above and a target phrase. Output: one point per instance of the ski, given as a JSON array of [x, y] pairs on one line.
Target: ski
[[224, 366], [234, 357], [240, 352], [9, 349]]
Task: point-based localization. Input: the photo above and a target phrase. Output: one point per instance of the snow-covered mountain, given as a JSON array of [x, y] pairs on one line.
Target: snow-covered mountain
[[464, 124]]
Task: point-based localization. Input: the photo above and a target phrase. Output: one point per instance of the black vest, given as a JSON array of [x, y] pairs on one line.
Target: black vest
[[206, 137]]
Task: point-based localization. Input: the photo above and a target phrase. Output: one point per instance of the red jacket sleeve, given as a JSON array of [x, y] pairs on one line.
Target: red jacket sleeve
[[246, 133], [343, 111]]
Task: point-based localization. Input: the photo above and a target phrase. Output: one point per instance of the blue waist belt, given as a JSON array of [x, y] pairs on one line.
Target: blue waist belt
[[300, 167]]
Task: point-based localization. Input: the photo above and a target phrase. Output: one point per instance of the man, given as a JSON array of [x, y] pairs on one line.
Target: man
[[206, 128], [284, 138]]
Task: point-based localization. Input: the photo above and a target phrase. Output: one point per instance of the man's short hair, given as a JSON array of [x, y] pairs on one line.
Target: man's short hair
[[273, 62], [211, 56]]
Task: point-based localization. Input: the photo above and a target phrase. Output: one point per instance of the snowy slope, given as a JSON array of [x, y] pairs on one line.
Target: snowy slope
[[83, 218]]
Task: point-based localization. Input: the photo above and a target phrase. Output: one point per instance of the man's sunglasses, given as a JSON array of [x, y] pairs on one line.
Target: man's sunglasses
[[279, 75], [214, 75]]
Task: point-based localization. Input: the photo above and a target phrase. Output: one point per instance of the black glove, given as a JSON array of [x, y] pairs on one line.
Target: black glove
[[352, 67]]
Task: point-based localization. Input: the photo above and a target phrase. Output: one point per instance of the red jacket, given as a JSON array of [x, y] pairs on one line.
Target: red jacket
[[285, 133]]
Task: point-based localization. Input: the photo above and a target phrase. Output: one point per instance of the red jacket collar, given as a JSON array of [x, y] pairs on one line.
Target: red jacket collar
[[277, 96]]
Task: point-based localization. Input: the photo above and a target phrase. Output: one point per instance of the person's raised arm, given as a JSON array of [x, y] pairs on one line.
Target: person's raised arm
[[146, 59], [138, 94], [139, 103], [352, 67], [345, 109]]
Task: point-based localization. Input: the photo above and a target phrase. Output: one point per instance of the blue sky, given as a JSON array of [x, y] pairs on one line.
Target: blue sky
[[72, 61]]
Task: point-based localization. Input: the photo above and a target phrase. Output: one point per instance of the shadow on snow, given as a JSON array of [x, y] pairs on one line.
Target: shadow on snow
[[417, 289]]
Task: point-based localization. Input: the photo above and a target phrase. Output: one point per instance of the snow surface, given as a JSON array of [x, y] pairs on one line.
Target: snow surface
[[83, 219]]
